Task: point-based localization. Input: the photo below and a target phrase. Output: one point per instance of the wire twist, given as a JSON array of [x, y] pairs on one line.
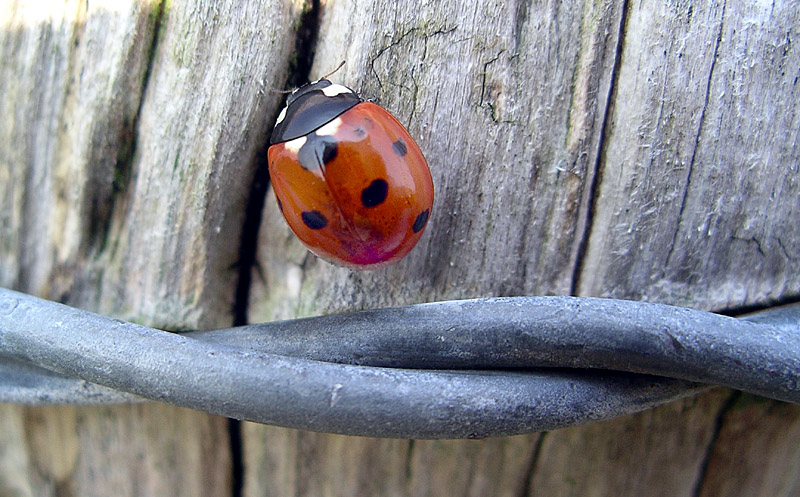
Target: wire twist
[[458, 369]]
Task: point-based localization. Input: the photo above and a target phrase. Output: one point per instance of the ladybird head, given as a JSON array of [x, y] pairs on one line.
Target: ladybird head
[[310, 107]]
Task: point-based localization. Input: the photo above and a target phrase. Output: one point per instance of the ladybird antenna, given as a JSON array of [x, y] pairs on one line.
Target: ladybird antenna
[[275, 90], [342, 63]]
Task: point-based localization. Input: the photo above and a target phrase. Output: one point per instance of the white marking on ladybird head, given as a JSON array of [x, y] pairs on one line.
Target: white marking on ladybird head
[[334, 89], [331, 128], [295, 145], [281, 116]]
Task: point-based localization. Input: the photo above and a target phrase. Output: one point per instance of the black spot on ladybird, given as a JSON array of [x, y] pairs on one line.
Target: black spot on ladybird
[[317, 151], [400, 147], [375, 193], [314, 219], [421, 220]]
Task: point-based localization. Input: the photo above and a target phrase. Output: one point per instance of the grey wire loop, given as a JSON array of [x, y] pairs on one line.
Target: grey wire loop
[[458, 369]]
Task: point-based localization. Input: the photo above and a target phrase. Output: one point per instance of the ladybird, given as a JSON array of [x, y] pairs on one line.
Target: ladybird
[[350, 181]]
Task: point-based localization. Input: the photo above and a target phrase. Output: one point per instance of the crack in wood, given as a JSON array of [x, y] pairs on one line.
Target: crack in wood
[[305, 44], [298, 74], [237, 457], [700, 128], [100, 216], [409, 461], [536, 452], [719, 423], [299, 71], [483, 86], [596, 171], [397, 41]]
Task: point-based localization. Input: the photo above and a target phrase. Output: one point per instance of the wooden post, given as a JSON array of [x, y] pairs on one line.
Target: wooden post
[[632, 150]]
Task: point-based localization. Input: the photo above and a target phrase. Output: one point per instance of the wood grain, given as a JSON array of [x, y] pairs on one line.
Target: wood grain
[[659, 452], [129, 144], [598, 149], [755, 451], [298, 463], [636, 150], [700, 170]]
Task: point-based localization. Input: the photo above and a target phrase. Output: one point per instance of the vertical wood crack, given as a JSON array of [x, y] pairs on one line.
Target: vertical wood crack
[[700, 126], [237, 457], [597, 167], [525, 489], [718, 424], [299, 70], [100, 219]]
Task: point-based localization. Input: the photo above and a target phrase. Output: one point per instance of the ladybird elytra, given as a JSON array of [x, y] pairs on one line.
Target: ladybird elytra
[[351, 182]]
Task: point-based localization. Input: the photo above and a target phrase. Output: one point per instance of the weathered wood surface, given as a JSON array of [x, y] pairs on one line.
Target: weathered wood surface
[[128, 138], [700, 184], [636, 150]]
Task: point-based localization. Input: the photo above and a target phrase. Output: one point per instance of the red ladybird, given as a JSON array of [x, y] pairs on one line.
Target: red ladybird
[[349, 179]]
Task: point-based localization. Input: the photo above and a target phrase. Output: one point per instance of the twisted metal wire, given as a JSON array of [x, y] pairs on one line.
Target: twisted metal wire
[[458, 369]]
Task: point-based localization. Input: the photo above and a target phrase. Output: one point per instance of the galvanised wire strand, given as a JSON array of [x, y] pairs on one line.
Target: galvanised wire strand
[[472, 368]]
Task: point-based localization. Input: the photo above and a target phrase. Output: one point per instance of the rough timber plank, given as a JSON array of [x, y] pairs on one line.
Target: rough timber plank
[[142, 450], [126, 155], [299, 463], [659, 452], [67, 108], [696, 191], [551, 179], [756, 451], [700, 187]]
